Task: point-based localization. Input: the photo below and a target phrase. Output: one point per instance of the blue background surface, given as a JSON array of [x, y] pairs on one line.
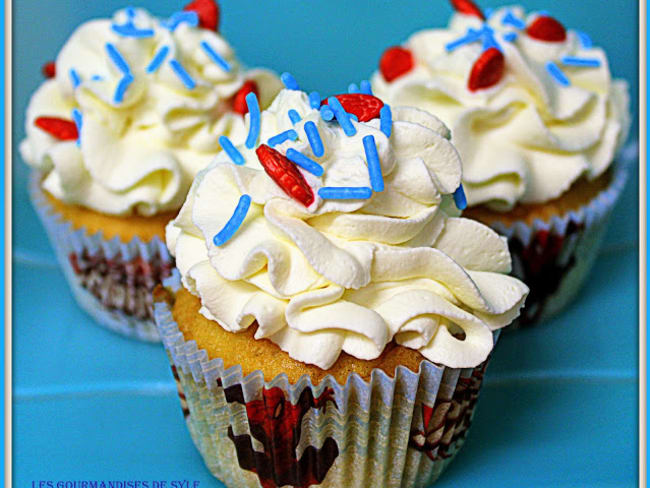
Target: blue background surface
[[559, 403]]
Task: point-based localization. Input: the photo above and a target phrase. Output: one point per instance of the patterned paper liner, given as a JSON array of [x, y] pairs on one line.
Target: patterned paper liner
[[554, 258], [112, 281], [386, 432]]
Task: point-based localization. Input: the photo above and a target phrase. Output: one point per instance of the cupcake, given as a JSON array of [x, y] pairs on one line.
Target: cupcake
[[132, 109], [332, 316], [538, 121]]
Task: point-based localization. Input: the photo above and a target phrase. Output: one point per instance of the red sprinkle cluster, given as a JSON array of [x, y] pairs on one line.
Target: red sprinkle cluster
[[239, 104], [62, 129], [547, 29], [395, 62], [365, 107], [208, 12], [467, 7], [285, 174], [487, 70]]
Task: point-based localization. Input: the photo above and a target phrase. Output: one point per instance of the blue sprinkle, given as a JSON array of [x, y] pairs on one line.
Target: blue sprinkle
[[510, 36], [344, 192], [177, 18], [74, 78], [234, 223], [365, 87], [557, 74], [289, 81], [215, 56], [232, 151], [254, 114], [472, 35], [353, 117], [314, 100], [294, 116], [353, 88], [510, 19], [488, 13], [584, 62], [304, 162], [326, 113], [158, 59], [130, 30], [488, 38], [315, 141], [130, 12], [283, 136], [117, 59], [386, 120], [182, 74], [341, 116], [96, 78], [543, 13], [374, 166], [78, 120], [459, 198], [585, 40], [121, 88]]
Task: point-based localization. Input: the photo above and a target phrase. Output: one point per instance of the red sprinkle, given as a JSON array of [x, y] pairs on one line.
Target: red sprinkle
[[285, 174], [239, 104], [365, 107], [208, 12], [63, 129], [487, 70], [547, 29], [49, 69], [395, 62], [467, 7]]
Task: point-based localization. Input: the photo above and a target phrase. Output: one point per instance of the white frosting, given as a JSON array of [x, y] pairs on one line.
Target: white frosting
[[139, 155], [528, 138], [349, 275]]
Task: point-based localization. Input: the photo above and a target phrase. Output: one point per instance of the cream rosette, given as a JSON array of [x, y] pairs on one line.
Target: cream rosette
[[348, 275], [151, 105], [530, 136]]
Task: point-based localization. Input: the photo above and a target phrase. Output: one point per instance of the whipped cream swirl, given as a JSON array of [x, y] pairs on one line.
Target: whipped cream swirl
[[348, 275], [139, 148], [528, 138]]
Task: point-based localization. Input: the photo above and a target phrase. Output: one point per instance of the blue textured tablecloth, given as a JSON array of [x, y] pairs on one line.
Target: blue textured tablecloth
[[559, 406]]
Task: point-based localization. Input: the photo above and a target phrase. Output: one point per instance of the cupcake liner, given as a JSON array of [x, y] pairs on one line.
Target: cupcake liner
[[388, 432], [554, 257], [112, 281]]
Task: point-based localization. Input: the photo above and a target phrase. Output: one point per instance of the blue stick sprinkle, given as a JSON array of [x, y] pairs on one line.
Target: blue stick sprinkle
[[344, 192], [232, 152], [314, 138], [304, 162], [158, 58], [117, 58], [472, 35], [78, 121], [342, 116], [326, 113], [183, 75], [121, 88], [510, 36], [216, 57], [353, 88], [386, 120], [130, 12], [488, 12], [74, 78], [282, 136], [177, 18], [585, 40], [459, 198], [583, 62], [314, 100], [510, 19], [254, 114], [289, 81], [294, 116], [96, 78], [234, 223], [374, 166], [488, 38], [130, 30], [365, 87], [557, 74]]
